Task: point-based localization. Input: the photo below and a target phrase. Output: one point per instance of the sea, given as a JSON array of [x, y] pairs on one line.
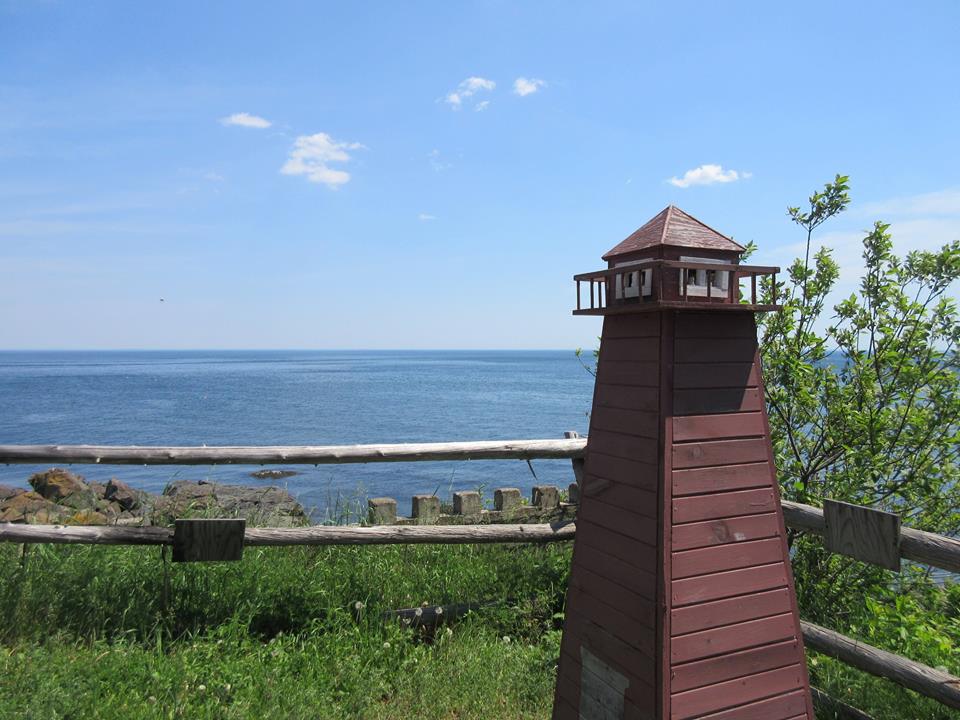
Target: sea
[[283, 397]]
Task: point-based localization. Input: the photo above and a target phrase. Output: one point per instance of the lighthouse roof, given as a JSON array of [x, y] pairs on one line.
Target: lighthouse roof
[[672, 226]]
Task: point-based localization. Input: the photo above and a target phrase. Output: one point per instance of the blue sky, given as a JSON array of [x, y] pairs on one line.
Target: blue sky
[[431, 175]]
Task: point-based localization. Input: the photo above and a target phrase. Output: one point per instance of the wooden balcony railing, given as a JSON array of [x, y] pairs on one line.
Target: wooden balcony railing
[[670, 287]]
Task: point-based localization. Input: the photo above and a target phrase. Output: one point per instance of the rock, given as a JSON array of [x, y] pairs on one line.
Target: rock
[[87, 517], [98, 488], [57, 484], [273, 474], [122, 494], [8, 492], [31, 507], [259, 505]]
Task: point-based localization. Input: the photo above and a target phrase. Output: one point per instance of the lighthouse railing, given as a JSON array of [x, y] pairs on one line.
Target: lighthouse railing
[[606, 287]]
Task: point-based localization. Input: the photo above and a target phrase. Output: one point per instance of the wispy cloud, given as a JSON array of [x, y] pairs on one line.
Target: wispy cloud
[[481, 106], [527, 86], [707, 175], [468, 89], [313, 155], [943, 202], [437, 162], [426, 217], [246, 120]]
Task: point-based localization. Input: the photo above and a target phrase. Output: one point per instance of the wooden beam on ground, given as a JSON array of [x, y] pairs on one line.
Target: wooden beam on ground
[[565, 449], [315, 535], [927, 681], [840, 709]]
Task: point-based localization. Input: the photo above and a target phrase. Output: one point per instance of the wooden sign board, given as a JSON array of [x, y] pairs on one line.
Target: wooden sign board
[[863, 533], [208, 539]]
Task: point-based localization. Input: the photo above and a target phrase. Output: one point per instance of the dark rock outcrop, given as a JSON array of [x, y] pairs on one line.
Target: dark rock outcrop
[[259, 505], [273, 474], [61, 497]]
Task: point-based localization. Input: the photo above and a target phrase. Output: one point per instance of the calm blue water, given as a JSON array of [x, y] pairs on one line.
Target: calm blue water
[[298, 398]]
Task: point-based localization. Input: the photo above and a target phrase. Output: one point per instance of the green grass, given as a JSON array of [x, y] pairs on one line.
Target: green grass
[[86, 633]]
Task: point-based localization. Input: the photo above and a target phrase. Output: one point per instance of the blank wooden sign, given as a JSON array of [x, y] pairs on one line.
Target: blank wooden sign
[[208, 540], [863, 533]]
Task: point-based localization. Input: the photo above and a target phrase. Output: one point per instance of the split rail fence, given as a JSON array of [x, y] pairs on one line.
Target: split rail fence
[[911, 544]]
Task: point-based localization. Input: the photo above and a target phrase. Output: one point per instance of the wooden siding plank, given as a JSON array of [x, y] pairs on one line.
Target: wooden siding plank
[[780, 707], [617, 571], [733, 665], [617, 372], [692, 428], [704, 616], [611, 593], [689, 376], [695, 481], [722, 531], [641, 423], [731, 504], [646, 349], [731, 638], [624, 446], [643, 557], [728, 584], [624, 397], [716, 350], [711, 325], [620, 494], [615, 620], [631, 326], [730, 694], [643, 529], [717, 400], [630, 472], [718, 452], [628, 660], [690, 563]]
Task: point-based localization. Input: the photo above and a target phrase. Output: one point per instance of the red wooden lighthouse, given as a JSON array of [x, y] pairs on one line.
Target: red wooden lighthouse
[[681, 601]]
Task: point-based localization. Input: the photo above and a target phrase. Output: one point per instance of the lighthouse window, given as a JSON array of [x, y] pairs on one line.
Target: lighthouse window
[[698, 279]]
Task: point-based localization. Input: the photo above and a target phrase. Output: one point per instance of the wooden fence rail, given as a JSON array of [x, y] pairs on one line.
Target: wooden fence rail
[[315, 535], [928, 681], [928, 548], [295, 455]]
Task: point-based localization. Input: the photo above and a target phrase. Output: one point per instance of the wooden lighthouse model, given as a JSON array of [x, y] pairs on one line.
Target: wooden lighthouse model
[[681, 601]]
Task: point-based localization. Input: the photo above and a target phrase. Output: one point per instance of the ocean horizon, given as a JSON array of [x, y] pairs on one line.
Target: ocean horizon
[[298, 397]]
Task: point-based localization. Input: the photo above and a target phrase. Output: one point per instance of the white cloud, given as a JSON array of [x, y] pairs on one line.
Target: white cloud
[[426, 217], [213, 177], [467, 89], [527, 86], [707, 175], [246, 120], [481, 106], [312, 156]]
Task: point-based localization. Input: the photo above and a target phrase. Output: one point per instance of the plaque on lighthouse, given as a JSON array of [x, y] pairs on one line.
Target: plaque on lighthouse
[[681, 602]]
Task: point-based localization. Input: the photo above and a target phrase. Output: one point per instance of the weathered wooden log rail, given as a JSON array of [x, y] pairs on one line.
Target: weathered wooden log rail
[[916, 545], [564, 449]]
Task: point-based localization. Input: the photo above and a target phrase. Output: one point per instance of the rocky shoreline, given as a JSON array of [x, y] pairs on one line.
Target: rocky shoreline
[[60, 497]]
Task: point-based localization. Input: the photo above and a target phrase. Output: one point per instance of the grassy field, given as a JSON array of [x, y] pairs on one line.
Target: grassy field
[[298, 633]]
